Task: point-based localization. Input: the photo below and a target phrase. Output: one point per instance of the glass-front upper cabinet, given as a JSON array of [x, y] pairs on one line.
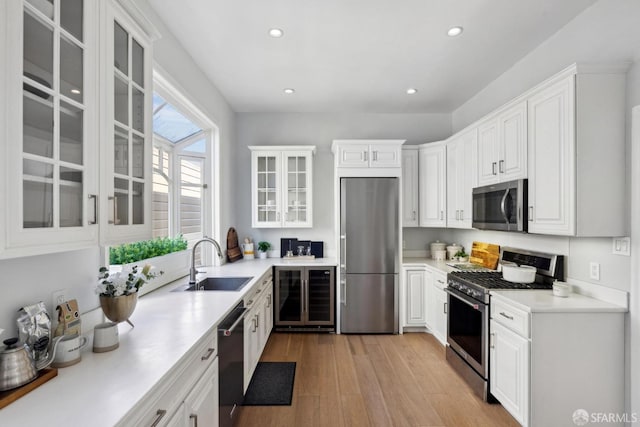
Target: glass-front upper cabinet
[[281, 186], [50, 61], [127, 130]]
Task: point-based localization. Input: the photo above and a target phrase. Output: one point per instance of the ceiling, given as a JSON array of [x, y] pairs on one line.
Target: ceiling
[[359, 55]]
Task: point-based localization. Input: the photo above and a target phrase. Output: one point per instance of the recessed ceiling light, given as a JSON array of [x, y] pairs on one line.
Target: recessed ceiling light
[[412, 91], [289, 91], [276, 32], [76, 91], [454, 31]]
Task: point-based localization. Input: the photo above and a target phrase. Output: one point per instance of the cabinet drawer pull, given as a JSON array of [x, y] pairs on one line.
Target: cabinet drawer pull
[[501, 166], [461, 214], [268, 301], [530, 213], [493, 168], [441, 215], [209, 353], [159, 415], [414, 215], [503, 314], [194, 417], [491, 338], [444, 308], [375, 156], [366, 156]]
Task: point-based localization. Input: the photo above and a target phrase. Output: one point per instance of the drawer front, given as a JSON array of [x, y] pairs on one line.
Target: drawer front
[[511, 317]]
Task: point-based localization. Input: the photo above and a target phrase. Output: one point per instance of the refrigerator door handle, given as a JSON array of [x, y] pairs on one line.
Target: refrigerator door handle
[[343, 253], [343, 292]]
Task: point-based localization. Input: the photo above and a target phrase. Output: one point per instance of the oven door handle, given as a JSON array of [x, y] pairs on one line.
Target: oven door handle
[[462, 297]]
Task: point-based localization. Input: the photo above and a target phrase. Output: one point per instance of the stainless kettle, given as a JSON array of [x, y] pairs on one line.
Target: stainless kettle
[[17, 366]]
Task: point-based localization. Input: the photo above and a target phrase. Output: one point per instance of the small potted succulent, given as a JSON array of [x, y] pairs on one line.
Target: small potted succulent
[[263, 248], [462, 256]]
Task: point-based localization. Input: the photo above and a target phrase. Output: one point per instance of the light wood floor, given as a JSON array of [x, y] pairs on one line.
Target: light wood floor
[[371, 380]]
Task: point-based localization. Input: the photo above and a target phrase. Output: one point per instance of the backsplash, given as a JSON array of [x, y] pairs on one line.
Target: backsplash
[[579, 251], [28, 280]]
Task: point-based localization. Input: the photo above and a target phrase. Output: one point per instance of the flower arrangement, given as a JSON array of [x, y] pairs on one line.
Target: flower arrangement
[[125, 282]]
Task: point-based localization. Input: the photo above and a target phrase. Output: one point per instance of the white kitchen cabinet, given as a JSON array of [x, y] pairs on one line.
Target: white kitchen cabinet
[[410, 187], [576, 149], [50, 162], [509, 355], [191, 387], [258, 323], [539, 368], [433, 184], [437, 304], [368, 153], [126, 128], [502, 146], [415, 297], [200, 408], [282, 186], [461, 178]]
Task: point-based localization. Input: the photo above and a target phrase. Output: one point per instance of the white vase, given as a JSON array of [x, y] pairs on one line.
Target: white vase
[[262, 255]]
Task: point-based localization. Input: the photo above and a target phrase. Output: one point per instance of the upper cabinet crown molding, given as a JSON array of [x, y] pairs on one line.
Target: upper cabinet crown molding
[[140, 18]]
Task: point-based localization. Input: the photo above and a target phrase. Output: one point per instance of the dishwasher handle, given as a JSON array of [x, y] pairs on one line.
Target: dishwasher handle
[[227, 331]]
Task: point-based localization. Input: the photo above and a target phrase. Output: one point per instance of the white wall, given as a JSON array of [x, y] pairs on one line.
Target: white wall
[[319, 130], [32, 279]]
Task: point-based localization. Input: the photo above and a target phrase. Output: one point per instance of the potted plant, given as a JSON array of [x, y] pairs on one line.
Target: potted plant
[[263, 248], [462, 256], [168, 254], [119, 290]]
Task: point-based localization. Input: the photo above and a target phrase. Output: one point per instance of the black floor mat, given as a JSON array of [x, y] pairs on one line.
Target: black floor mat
[[271, 384]]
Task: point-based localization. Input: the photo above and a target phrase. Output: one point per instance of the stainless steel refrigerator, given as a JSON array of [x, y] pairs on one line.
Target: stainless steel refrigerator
[[369, 262]]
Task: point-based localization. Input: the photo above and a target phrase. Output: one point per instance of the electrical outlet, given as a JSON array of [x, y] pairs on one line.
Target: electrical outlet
[[58, 297], [622, 246], [594, 271]]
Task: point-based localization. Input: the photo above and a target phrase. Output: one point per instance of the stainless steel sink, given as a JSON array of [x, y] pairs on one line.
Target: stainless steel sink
[[217, 284]]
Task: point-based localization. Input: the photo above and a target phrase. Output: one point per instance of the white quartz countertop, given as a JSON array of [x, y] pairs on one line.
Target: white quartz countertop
[[545, 302], [104, 387], [421, 262]]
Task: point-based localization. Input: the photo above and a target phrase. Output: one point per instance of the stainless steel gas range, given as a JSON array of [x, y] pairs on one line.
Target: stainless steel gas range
[[468, 311]]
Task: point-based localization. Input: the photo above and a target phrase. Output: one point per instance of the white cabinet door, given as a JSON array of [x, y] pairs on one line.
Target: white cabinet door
[[297, 196], [201, 405], [437, 306], [410, 189], [461, 178], [502, 146], [512, 160], [385, 156], [488, 152], [126, 130], [509, 371], [415, 298], [51, 160], [552, 160], [281, 187], [432, 171], [251, 343], [353, 156]]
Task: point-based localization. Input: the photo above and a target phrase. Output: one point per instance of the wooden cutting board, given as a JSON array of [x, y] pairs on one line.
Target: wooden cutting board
[[10, 396], [485, 254], [233, 250]]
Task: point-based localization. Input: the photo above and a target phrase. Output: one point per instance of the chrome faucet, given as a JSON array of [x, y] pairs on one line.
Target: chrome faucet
[[192, 270]]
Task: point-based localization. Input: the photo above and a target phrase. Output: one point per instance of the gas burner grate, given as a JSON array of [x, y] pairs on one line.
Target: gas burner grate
[[494, 280]]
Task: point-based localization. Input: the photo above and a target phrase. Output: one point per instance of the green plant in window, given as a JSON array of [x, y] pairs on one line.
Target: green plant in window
[[136, 251]]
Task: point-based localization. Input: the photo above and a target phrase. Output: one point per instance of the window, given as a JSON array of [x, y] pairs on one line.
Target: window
[[181, 155]]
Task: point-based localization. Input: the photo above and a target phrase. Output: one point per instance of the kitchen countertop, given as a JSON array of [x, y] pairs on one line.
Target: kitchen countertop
[[104, 387], [421, 262], [543, 301]]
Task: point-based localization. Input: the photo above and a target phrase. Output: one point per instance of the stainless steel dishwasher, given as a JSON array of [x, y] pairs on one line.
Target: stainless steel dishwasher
[[231, 365]]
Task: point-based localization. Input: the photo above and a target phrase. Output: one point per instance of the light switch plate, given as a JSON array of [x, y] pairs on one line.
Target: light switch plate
[[622, 246], [594, 271]]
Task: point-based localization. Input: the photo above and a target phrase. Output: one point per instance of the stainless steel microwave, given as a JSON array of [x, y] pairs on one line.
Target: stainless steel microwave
[[501, 206]]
